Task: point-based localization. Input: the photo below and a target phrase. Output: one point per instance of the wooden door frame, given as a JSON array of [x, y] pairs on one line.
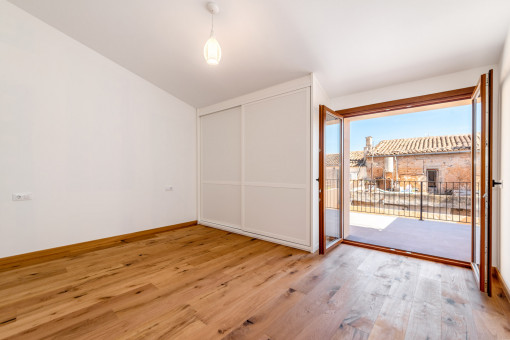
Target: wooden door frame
[[490, 180], [395, 105], [322, 172], [407, 103], [485, 270], [323, 112]]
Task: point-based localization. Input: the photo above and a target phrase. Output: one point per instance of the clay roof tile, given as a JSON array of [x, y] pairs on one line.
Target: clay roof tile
[[429, 144]]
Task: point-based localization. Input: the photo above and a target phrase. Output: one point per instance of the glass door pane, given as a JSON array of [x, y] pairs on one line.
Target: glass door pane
[[475, 147], [330, 178], [333, 180]]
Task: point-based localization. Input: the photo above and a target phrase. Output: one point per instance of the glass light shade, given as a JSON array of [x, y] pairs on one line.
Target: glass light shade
[[212, 51]]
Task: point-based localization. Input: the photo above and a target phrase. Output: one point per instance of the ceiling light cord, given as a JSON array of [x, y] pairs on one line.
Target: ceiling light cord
[[212, 24]]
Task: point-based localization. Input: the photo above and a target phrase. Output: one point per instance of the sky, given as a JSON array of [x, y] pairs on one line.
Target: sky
[[447, 121]]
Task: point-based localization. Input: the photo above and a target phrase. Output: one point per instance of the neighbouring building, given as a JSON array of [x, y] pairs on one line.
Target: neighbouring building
[[436, 160]]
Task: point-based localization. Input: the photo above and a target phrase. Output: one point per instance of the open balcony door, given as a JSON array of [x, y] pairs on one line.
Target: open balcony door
[[330, 179], [481, 184]]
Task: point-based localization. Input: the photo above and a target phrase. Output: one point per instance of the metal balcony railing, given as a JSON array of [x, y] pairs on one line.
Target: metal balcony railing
[[446, 201]]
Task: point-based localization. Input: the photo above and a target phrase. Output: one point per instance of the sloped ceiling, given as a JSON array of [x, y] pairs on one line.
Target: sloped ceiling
[[351, 45]]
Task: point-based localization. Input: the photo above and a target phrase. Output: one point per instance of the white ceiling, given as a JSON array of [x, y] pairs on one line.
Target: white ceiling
[[352, 46]]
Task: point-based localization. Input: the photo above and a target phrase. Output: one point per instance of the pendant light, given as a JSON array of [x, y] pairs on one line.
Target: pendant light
[[212, 49]]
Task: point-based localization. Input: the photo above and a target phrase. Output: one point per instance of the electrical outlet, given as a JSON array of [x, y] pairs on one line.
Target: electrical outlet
[[22, 196], [169, 188]]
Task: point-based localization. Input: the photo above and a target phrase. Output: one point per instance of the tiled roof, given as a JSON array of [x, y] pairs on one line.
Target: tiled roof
[[333, 159], [408, 146], [356, 158], [433, 144]]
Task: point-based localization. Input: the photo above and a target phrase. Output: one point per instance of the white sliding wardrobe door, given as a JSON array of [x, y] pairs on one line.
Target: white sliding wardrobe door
[[276, 153], [221, 167]]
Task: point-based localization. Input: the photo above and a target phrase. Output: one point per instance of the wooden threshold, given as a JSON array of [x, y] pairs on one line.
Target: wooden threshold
[[40, 256], [410, 254]]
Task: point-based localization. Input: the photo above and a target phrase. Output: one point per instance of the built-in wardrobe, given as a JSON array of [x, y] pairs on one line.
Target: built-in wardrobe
[[256, 164]]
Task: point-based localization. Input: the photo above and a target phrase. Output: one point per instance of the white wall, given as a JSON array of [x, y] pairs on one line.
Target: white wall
[[442, 83], [94, 143], [505, 162]]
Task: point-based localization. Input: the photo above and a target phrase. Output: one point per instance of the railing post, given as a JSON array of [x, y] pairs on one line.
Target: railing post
[[421, 200]]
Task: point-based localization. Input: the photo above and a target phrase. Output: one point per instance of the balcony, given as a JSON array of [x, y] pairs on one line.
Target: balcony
[[415, 216]]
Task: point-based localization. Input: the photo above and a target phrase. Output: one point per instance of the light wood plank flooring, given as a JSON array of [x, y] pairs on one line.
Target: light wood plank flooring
[[202, 283]]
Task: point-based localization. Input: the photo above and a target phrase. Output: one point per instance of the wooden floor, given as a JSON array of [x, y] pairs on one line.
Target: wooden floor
[[202, 283]]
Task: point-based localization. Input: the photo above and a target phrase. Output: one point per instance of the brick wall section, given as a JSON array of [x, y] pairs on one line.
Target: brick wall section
[[452, 167]]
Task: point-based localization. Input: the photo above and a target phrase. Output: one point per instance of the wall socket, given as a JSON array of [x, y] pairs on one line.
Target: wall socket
[[22, 196]]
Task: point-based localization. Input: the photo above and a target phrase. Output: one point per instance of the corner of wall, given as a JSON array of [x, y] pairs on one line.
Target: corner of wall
[[504, 166], [319, 97]]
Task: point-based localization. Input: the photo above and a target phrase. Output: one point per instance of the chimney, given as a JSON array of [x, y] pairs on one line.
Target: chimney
[[369, 142], [368, 148]]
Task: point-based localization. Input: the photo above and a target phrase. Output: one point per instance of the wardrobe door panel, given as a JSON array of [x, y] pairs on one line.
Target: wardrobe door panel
[[277, 212], [221, 204], [275, 133], [220, 167], [221, 146], [276, 153]]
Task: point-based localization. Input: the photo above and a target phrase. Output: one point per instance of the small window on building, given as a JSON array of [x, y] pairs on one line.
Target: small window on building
[[432, 178]]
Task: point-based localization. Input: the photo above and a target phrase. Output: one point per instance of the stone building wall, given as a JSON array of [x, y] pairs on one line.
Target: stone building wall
[[452, 167]]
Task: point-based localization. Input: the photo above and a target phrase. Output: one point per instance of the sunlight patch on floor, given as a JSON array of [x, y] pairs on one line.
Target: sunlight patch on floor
[[373, 221]]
